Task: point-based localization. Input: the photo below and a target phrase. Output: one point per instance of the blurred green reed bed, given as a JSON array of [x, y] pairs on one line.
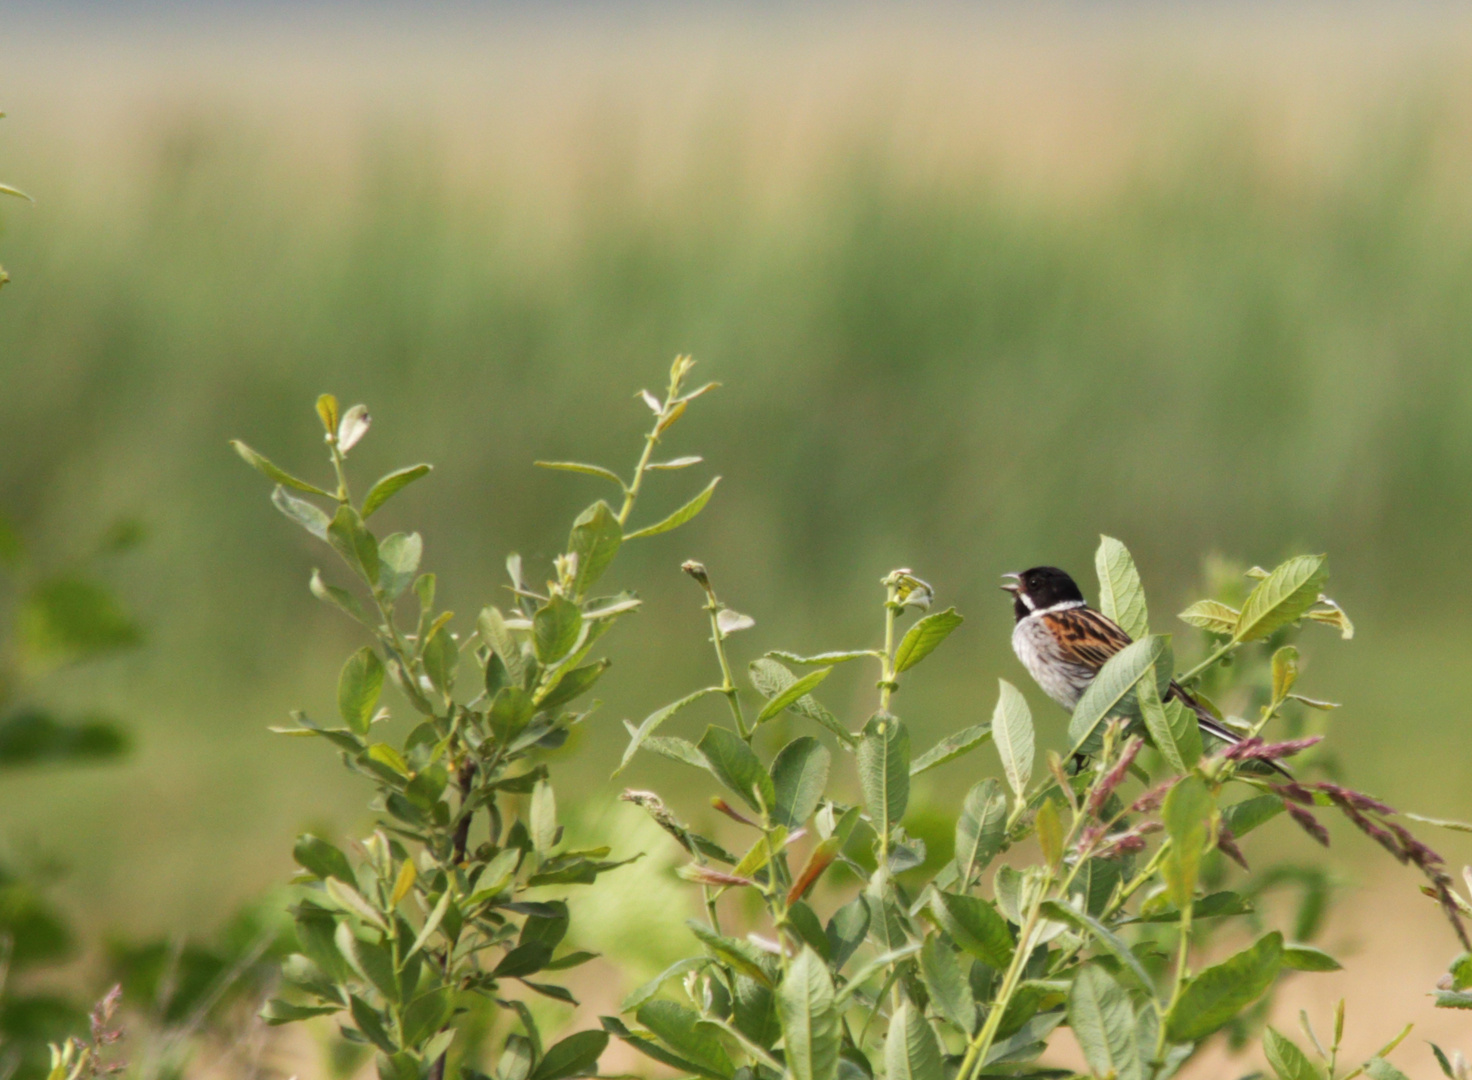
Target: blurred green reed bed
[[1172, 326]]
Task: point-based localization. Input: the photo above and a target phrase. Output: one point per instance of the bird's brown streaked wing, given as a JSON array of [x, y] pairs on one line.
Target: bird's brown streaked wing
[[1085, 636]]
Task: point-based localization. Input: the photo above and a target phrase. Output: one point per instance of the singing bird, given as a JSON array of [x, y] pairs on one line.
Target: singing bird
[[1063, 643]]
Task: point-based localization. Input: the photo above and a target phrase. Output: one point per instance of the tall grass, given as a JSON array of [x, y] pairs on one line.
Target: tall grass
[[1068, 308]]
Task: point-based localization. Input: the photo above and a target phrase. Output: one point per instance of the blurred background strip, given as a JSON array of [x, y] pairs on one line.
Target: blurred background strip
[[981, 283]]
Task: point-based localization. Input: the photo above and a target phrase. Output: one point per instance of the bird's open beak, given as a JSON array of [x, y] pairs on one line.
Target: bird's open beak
[[1015, 587]]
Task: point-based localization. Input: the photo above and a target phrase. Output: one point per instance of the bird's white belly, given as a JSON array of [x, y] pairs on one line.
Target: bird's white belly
[[1036, 647]]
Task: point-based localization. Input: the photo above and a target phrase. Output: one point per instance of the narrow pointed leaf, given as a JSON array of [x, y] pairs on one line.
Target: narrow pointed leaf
[[951, 747], [1111, 692], [653, 720], [389, 486], [1287, 1060], [736, 766], [275, 472], [809, 1018], [923, 638], [1121, 596], [679, 517], [308, 516], [1222, 991], [981, 829], [883, 758], [588, 470], [799, 775], [1013, 733], [910, 1048], [1211, 615], [1282, 597], [788, 697], [1104, 1024]]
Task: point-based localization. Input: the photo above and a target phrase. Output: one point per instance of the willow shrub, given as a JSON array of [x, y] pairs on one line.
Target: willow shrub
[[1125, 860]]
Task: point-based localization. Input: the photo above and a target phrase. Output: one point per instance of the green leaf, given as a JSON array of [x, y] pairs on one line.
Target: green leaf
[[1049, 828], [683, 1031], [350, 899], [573, 684], [949, 989], [323, 859], [390, 485], [1187, 806], [494, 632], [1282, 597], [1110, 694], [441, 658], [587, 470], [680, 516], [358, 689], [741, 955], [922, 638], [1249, 814], [555, 629], [1285, 672], [1441, 1059], [653, 720], [827, 659], [738, 768], [595, 539], [653, 986], [677, 749], [883, 759], [1308, 958], [789, 696], [981, 830], [369, 1023], [275, 472], [1455, 826], [576, 1054], [327, 411], [951, 747], [6, 189], [431, 924], [424, 1016], [910, 1049], [543, 818], [278, 1012], [799, 775], [846, 931], [1378, 1068], [1121, 596], [974, 925], [771, 678], [1211, 615], [1222, 991], [398, 562], [354, 543], [1111, 942], [1012, 729], [1287, 1060], [1172, 727], [1104, 1024], [809, 1018], [511, 711]]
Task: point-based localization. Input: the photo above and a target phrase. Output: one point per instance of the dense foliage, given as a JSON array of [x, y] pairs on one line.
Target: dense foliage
[[423, 941]]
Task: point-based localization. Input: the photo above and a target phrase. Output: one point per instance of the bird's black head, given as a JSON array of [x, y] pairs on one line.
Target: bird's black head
[[1041, 587]]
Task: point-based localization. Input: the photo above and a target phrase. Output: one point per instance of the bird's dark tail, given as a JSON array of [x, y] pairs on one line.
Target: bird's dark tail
[[1214, 727]]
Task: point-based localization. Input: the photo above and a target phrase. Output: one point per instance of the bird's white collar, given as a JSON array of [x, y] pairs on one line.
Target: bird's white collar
[[1062, 605]]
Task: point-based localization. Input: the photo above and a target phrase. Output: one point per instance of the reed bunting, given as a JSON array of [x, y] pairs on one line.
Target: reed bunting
[[1063, 643]]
